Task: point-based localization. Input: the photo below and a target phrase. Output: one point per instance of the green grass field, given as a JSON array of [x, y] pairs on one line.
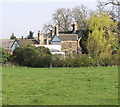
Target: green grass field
[[60, 86]]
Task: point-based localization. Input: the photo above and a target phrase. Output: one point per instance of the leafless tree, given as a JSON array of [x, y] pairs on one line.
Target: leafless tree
[[80, 13], [110, 7], [47, 28], [113, 2], [63, 18]]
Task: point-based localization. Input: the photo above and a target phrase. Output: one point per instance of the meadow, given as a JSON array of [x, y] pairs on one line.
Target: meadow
[[60, 86]]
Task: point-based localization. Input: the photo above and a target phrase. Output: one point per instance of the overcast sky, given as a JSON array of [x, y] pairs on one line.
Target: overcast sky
[[21, 17]]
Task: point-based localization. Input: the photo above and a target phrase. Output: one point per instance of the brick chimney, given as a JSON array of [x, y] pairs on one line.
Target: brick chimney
[[56, 30], [52, 32], [47, 40], [74, 27], [40, 38]]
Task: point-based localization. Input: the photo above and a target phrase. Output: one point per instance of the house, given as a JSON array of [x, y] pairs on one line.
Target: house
[[60, 42], [69, 40], [22, 43], [6, 44], [43, 38]]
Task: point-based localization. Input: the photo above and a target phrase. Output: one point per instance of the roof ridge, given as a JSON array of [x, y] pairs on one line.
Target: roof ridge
[[67, 34]]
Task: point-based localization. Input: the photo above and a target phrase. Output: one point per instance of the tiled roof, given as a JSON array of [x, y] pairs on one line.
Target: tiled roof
[[78, 32], [66, 32], [24, 42], [68, 37], [6, 43]]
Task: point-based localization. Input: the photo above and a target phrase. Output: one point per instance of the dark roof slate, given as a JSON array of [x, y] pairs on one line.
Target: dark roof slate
[[80, 33], [25, 42], [6, 43], [66, 32], [68, 37]]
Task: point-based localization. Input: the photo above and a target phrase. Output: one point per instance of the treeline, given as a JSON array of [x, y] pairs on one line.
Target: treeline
[[31, 56], [64, 17], [85, 61], [30, 36]]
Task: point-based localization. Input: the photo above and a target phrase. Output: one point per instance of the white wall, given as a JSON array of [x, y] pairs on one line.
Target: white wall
[[15, 45], [56, 47]]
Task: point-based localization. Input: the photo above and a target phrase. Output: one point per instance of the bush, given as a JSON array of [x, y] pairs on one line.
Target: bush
[[57, 62], [41, 57], [40, 61], [108, 60], [43, 50], [32, 56], [82, 61], [69, 61], [5, 56]]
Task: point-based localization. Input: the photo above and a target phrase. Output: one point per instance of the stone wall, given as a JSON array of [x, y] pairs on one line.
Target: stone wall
[[69, 47]]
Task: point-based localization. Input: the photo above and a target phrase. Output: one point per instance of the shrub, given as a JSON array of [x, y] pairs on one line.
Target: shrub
[[40, 61], [41, 57], [57, 62], [108, 60], [43, 50], [69, 61], [5, 56], [32, 56], [82, 61]]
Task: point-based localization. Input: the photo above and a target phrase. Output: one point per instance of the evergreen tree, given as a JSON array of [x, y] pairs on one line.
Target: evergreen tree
[[12, 36], [30, 36]]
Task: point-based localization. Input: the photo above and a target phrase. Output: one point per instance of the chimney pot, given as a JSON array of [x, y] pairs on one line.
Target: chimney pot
[[39, 37], [56, 30], [74, 27], [52, 32]]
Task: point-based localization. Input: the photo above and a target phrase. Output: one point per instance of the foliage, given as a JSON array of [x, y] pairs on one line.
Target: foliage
[[40, 61], [107, 59], [31, 56], [83, 42], [57, 62], [82, 61], [108, 8], [102, 36], [69, 61], [12, 36], [43, 50], [41, 57], [5, 56], [30, 36]]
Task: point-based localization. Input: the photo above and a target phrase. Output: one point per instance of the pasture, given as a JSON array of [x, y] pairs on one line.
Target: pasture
[[60, 86]]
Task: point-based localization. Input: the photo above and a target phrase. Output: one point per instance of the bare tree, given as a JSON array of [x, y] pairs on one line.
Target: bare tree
[[47, 28], [113, 2], [110, 7], [63, 18], [80, 13]]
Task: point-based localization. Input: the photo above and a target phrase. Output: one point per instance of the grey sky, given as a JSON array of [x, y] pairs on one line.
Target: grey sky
[[21, 17]]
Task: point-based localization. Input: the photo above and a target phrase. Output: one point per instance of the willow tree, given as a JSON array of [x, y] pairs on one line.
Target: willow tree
[[102, 34]]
